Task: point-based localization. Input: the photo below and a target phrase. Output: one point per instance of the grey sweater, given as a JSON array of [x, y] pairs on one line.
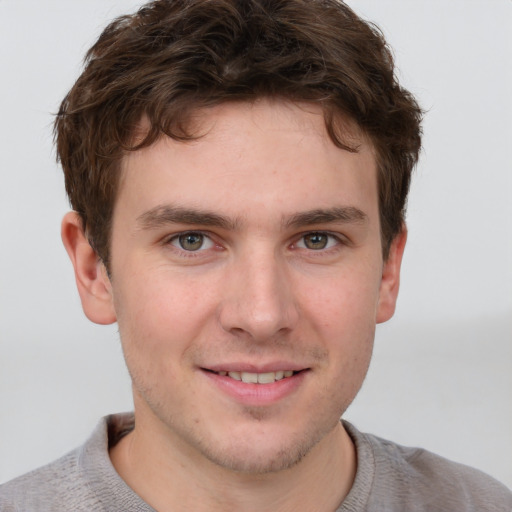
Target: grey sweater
[[389, 478]]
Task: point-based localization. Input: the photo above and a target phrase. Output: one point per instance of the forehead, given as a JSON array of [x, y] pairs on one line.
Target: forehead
[[273, 155]]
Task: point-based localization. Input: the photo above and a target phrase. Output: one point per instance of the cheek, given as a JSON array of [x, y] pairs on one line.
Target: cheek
[[344, 319], [347, 302], [155, 315], [159, 296]]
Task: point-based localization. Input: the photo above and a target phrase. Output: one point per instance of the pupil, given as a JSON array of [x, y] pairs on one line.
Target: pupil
[[316, 241], [191, 241]]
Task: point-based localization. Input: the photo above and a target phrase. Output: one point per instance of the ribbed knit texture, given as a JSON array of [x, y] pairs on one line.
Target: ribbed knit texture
[[389, 478]]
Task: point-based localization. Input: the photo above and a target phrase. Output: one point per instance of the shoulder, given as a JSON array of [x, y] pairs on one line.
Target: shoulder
[[65, 484], [419, 473], [56, 486], [414, 479], [83, 480]]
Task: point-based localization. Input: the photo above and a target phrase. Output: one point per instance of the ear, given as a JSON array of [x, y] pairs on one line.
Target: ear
[[90, 273], [390, 282]]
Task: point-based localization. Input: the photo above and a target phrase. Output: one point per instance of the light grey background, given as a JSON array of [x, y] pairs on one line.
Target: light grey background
[[441, 376]]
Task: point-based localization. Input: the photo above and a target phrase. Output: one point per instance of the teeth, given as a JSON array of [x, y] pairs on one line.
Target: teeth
[[258, 378], [266, 378], [251, 378]]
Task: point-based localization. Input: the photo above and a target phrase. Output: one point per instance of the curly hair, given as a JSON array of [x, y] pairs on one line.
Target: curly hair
[[173, 57]]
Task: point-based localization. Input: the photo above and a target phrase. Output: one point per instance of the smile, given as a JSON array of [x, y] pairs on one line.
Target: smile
[[257, 378], [257, 388]]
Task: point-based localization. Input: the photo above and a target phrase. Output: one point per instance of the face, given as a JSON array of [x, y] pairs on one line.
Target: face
[[247, 279]]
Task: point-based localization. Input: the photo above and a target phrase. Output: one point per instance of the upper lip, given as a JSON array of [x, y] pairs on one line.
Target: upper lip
[[255, 368]]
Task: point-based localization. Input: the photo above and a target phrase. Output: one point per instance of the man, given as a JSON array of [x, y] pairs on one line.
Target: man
[[238, 173]]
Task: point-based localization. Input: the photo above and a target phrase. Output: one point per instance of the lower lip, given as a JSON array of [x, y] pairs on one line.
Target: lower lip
[[257, 394]]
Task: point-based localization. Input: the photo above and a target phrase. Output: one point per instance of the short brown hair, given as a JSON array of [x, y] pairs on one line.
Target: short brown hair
[[174, 56]]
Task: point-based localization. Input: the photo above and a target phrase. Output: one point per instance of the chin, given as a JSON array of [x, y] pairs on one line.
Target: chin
[[266, 460], [264, 453]]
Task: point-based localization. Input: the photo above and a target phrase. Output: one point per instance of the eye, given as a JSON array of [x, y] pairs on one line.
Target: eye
[[192, 241], [317, 241]]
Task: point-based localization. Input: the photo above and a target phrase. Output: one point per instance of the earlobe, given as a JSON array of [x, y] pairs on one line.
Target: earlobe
[[390, 282], [91, 276]]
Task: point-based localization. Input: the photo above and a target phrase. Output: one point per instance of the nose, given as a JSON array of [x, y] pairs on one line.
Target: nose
[[259, 302]]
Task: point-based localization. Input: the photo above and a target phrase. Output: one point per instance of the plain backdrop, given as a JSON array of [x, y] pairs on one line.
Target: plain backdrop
[[441, 377]]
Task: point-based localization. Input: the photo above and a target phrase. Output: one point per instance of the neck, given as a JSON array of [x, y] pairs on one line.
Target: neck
[[170, 479]]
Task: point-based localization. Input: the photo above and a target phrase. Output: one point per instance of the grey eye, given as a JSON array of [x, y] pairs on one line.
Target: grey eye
[[316, 241], [192, 241]]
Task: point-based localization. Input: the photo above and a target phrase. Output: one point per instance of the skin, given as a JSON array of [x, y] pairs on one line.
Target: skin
[[258, 291]]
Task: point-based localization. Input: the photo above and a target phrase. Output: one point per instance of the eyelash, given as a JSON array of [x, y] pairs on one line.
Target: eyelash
[[338, 242], [190, 253]]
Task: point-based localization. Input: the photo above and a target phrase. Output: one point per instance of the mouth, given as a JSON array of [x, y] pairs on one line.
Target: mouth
[[248, 386], [256, 378]]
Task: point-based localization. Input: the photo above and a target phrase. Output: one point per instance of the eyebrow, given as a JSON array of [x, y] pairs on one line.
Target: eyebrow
[[344, 214], [163, 215]]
